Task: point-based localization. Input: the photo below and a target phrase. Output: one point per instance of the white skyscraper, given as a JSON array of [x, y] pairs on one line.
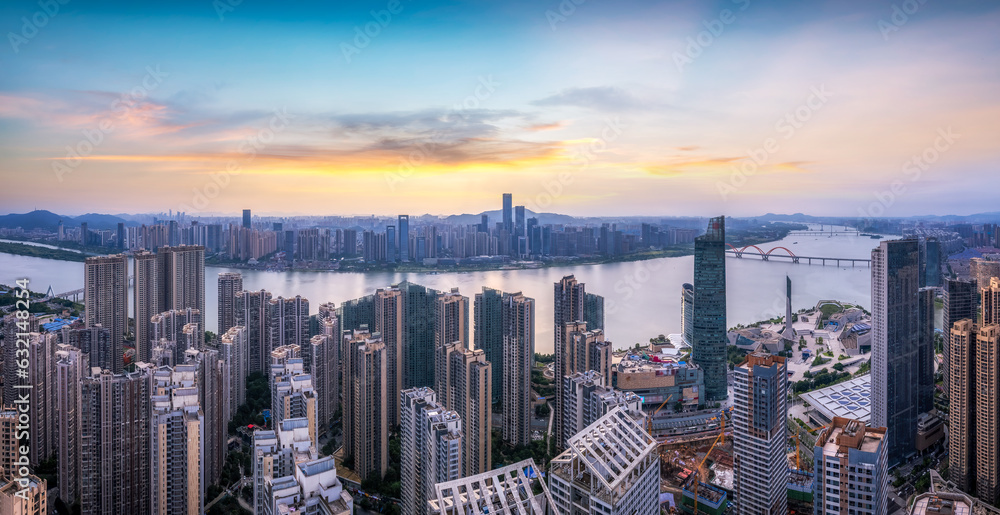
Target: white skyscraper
[[431, 447], [760, 432]]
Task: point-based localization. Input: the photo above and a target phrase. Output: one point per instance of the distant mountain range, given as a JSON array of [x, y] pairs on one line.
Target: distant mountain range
[[47, 220]]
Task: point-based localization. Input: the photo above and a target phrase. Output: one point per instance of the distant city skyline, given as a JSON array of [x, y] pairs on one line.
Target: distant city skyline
[[620, 109]]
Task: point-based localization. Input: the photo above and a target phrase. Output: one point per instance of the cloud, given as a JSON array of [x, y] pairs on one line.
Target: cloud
[[605, 98]]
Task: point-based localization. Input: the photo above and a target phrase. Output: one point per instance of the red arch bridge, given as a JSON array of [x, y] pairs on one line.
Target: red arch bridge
[[783, 253]]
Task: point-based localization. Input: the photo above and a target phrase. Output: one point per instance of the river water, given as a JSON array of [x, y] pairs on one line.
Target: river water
[[642, 298]]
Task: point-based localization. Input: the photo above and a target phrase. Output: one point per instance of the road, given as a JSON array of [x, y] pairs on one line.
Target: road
[[229, 491]]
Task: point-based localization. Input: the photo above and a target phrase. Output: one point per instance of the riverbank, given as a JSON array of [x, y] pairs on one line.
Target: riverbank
[[21, 249]]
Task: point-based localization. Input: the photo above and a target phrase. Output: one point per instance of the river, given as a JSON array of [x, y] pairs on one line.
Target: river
[[642, 298]]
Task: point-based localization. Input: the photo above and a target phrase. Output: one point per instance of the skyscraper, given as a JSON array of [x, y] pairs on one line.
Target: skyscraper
[[488, 308], [41, 380], [181, 277], [708, 333], [508, 221], [70, 370], [12, 325], [115, 437], [366, 410], [289, 322], [853, 457], [569, 298], [324, 364], [593, 311], [233, 351], [431, 447], [588, 399], [518, 318], [451, 319], [230, 283], [760, 431], [27, 498], [177, 448], [959, 302], [178, 330], [252, 313], [146, 301], [896, 344], [925, 349], [404, 238], [391, 244], [466, 385], [581, 350], [974, 400], [292, 392], [246, 218], [389, 311], [214, 383], [418, 337], [106, 300]]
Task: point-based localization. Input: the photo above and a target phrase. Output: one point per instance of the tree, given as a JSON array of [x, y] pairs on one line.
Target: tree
[[542, 410]]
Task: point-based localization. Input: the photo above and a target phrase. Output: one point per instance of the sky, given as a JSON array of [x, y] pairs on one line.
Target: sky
[[584, 107]]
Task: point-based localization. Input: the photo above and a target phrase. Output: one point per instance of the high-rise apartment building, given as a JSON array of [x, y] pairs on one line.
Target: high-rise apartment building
[[581, 350], [115, 440], [588, 399], [389, 324], [106, 300], [610, 467], [465, 383], [451, 319], [233, 351], [418, 337], [431, 447], [230, 283], [252, 314], [181, 277], [214, 384], [708, 320], [324, 362], [246, 219], [177, 446], [366, 410], [177, 330], [518, 318], [289, 322], [12, 327], [488, 335], [895, 361], [41, 378], [569, 298], [146, 301], [974, 400], [95, 342], [760, 431], [850, 461], [9, 442], [292, 393], [71, 368]]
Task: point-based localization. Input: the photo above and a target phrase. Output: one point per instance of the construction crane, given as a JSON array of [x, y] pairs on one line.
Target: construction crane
[[649, 420], [798, 462], [718, 439]]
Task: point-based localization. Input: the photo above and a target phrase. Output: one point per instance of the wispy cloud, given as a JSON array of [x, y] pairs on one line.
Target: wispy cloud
[[604, 98]]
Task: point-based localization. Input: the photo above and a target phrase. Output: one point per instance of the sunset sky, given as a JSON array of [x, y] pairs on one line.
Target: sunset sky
[[592, 107]]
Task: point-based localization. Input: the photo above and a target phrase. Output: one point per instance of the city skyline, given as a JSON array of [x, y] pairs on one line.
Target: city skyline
[[440, 105]]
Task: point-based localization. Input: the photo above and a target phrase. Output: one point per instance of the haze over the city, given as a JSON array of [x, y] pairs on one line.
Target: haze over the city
[[606, 108]]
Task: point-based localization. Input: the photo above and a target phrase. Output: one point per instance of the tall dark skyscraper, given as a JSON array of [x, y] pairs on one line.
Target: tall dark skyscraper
[[959, 302], [519, 220], [708, 332], [246, 218], [404, 238], [391, 254], [488, 334], [508, 221], [925, 349], [593, 311], [120, 236], [896, 343]]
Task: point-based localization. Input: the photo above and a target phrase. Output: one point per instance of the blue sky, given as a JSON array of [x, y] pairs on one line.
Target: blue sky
[[672, 108]]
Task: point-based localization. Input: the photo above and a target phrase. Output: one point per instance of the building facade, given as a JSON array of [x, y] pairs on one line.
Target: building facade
[[760, 432], [708, 336], [850, 465]]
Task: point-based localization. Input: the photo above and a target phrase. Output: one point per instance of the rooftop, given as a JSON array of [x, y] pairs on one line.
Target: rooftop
[[846, 434], [503, 490], [850, 399]]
